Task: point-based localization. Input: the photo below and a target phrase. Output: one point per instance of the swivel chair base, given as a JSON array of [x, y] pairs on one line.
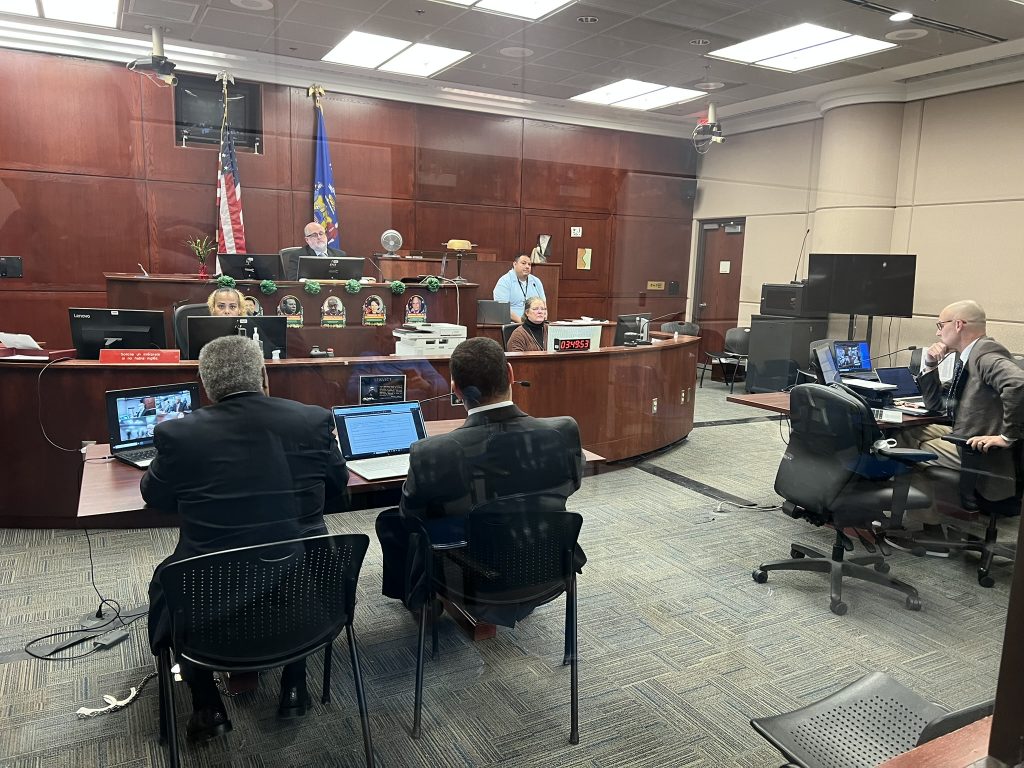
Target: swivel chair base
[[987, 548], [808, 559]]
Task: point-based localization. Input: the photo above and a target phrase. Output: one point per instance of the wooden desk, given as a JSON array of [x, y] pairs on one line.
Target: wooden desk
[[778, 402], [609, 392], [493, 331], [112, 487], [960, 749]]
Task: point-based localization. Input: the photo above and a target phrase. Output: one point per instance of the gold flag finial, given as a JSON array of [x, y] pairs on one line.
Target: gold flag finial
[[224, 77], [316, 91]]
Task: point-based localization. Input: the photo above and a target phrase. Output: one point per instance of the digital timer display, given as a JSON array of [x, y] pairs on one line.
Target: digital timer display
[[572, 345]]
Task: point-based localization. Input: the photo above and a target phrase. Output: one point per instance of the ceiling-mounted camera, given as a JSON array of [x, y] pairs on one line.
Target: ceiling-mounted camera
[[158, 64]]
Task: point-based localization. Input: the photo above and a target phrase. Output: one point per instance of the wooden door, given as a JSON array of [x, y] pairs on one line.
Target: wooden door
[[719, 266]]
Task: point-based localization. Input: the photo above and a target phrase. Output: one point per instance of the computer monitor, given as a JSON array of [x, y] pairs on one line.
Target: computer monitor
[[251, 266], [631, 329], [95, 329], [203, 330], [320, 268], [852, 356]]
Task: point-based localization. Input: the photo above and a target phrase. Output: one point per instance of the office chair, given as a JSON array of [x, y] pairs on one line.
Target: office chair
[[734, 353], [868, 722], [506, 334], [683, 329], [839, 471], [261, 607], [511, 555], [181, 315]]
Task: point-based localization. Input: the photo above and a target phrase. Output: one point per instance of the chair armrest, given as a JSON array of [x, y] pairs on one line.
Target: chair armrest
[[906, 455]]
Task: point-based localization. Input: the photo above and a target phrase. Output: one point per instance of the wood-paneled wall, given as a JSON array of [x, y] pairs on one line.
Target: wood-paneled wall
[[91, 181]]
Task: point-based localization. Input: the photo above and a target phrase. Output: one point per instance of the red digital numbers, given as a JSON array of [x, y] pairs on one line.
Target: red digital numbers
[[572, 345]]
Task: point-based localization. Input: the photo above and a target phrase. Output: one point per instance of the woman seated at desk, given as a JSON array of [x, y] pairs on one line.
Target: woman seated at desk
[[532, 335]]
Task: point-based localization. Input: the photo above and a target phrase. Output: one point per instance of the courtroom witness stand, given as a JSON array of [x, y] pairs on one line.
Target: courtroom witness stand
[[985, 400], [449, 475], [517, 285], [316, 246], [249, 469], [226, 302], [532, 335]]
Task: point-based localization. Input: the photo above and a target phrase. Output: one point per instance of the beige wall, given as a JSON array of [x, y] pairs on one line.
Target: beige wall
[[959, 205]]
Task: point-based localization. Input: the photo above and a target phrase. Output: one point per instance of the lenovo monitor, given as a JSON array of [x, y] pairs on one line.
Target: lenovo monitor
[[251, 266], [323, 268], [632, 329], [270, 331], [95, 329]]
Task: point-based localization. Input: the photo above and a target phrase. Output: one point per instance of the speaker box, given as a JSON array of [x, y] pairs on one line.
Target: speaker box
[[779, 346]]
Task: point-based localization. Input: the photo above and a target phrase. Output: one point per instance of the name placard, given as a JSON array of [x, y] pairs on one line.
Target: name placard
[[136, 356]]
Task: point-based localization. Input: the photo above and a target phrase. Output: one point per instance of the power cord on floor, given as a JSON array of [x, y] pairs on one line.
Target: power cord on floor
[[727, 507], [113, 703]]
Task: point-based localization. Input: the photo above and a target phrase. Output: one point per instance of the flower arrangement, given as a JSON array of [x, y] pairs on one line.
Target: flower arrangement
[[268, 287], [433, 284], [397, 287], [202, 247], [353, 286], [312, 287], [226, 281]]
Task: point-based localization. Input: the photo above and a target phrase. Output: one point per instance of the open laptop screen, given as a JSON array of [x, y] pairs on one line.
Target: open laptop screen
[[852, 356], [365, 431], [906, 385], [132, 414]]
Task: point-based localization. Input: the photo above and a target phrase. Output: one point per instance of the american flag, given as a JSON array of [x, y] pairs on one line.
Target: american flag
[[230, 229]]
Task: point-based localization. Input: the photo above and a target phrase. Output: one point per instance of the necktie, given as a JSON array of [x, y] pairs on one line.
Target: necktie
[[955, 387]]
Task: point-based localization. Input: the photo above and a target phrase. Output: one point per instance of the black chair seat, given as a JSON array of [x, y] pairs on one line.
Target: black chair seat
[[874, 496]]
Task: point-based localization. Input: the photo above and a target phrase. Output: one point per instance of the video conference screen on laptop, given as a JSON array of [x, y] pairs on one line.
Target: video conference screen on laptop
[[386, 429], [132, 414], [852, 356]]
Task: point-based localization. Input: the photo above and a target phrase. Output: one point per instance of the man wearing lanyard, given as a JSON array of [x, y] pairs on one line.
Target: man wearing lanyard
[[517, 285]]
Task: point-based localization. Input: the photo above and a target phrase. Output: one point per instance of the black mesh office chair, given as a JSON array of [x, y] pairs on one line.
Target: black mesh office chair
[[181, 315], [838, 471], [506, 334], [862, 725], [261, 607], [732, 358], [685, 329]]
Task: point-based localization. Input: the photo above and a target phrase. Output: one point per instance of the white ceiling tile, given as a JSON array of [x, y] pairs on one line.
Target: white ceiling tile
[[228, 39], [247, 23], [609, 47], [168, 10], [304, 33], [570, 60], [328, 16]]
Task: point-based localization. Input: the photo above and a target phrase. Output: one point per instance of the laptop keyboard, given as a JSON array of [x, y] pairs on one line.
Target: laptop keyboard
[[381, 466], [142, 455]]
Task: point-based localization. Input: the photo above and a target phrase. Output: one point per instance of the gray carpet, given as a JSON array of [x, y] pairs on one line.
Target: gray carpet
[[678, 646]]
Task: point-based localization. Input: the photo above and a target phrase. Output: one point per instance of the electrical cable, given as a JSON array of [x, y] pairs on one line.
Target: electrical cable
[[39, 404]]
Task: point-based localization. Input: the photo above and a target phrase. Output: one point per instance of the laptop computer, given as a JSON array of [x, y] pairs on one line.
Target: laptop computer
[[907, 395], [375, 439], [132, 415], [493, 312]]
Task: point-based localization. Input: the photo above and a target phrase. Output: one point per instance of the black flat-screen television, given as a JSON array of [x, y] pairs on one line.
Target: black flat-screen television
[[632, 329], [863, 283], [95, 329], [270, 330], [251, 266], [324, 268]]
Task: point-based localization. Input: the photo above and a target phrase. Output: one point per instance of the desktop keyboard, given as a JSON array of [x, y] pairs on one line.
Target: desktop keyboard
[[381, 467]]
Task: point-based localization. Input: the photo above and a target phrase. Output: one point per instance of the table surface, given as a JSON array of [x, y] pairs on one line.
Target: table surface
[[111, 487], [959, 749], [778, 402]]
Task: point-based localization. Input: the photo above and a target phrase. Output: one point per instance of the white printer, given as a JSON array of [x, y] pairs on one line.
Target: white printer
[[428, 339]]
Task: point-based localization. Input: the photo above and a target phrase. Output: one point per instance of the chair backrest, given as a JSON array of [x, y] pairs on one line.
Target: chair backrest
[[915, 360], [181, 315], [823, 346], [271, 602], [686, 329], [737, 341], [954, 721], [533, 461], [506, 333], [829, 448]]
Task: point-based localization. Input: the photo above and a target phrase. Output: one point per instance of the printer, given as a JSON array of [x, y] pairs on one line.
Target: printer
[[428, 339]]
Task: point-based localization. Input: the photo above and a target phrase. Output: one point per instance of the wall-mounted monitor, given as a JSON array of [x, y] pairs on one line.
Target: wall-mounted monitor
[[863, 283]]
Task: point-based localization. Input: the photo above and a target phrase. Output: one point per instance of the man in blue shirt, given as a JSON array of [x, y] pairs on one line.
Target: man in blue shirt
[[517, 285]]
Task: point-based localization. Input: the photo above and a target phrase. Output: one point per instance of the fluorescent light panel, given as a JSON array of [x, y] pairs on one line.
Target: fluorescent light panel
[[23, 7], [100, 13], [423, 60], [620, 91], [827, 53], [801, 47], [660, 98], [360, 49], [484, 95], [524, 9]]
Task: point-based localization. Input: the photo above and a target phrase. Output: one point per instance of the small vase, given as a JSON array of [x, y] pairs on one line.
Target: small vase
[[203, 274]]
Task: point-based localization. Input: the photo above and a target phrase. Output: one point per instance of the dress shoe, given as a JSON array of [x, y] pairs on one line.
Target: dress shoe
[[207, 723], [968, 504], [293, 702]]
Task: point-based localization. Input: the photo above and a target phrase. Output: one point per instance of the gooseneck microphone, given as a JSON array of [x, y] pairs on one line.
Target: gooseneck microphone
[[911, 348], [520, 382], [643, 326]]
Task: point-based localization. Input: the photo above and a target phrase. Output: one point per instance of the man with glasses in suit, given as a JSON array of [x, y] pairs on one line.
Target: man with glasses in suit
[[316, 246]]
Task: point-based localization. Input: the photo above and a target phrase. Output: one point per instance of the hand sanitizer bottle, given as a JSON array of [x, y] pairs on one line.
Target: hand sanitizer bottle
[[256, 338]]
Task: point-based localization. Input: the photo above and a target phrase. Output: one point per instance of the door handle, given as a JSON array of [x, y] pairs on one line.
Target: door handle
[[702, 306]]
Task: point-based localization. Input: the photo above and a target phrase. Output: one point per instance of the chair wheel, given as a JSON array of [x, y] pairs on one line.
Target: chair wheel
[[882, 567], [796, 554], [913, 602], [838, 607], [986, 580], [760, 576]]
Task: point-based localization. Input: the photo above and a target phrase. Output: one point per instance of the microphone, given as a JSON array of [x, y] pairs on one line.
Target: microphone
[[642, 329], [911, 348], [520, 382], [377, 267], [144, 272], [800, 256]]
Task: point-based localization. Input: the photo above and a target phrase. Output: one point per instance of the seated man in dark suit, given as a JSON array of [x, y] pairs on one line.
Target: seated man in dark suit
[[985, 400], [250, 469], [316, 245], [450, 475]]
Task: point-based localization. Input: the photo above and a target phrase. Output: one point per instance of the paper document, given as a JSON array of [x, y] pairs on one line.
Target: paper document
[[19, 341]]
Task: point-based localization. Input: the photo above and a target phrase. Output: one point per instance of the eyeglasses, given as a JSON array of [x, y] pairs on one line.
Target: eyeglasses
[[941, 323], [316, 235]]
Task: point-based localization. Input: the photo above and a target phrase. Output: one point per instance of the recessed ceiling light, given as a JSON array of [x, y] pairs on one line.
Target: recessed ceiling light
[[524, 9], [701, 41], [620, 91], [22, 7], [906, 34], [660, 98], [710, 85], [360, 49], [901, 16], [254, 5], [800, 47], [101, 13], [516, 52], [423, 60], [587, 19], [491, 96]]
